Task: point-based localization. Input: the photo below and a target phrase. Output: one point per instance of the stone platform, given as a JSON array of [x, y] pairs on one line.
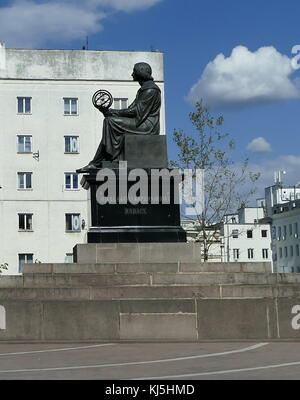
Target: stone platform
[[137, 292]]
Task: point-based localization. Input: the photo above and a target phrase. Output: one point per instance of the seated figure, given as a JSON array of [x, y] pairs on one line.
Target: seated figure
[[142, 117]]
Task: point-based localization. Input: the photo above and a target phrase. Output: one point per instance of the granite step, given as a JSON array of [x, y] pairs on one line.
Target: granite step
[[146, 279], [110, 268], [233, 291]]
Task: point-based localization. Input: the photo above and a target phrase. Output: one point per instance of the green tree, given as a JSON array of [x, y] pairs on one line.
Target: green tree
[[227, 185]]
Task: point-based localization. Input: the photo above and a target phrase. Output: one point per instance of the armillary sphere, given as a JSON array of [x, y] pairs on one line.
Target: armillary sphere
[[102, 99]]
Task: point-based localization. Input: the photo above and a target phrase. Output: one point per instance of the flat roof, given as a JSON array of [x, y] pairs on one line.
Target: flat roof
[[98, 65]]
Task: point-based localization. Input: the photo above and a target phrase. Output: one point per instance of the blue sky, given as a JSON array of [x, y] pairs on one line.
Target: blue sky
[[256, 90]]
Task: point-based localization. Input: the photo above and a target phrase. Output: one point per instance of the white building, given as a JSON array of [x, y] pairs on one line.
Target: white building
[[285, 237], [280, 193], [282, 205], [246, 239], [213, 236], [48, 129]]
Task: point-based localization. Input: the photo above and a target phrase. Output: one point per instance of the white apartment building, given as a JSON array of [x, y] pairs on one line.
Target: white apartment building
[[48, 129], [285, 237], [282, 209], [246, 239]]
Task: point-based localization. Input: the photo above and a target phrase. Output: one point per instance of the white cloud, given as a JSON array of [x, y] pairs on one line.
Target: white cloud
[[246, 78], [28, 24], [31, 23], [259, 145], [123, 5]]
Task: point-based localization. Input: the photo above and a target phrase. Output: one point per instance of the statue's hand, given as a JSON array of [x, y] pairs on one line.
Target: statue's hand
[[107, 113], [102, 110], [110, 113]]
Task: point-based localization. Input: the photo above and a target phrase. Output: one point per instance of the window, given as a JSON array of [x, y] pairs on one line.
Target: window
[[120, 104], [290, 229], [24, 105], [25, 222], [265, 254], [284, 232], [236, 254], [250, 254], [296, 229], [249, 234], [291, 251], [69, 259], [285, 252], [233, 220], [279, 233], [264, 234], [235, 233], [71, 181], [280, 252], [73, 223], [297, 250], [298, 270], [24, 259], [72, 144], [24, 180], [70, 106], [24, 144]]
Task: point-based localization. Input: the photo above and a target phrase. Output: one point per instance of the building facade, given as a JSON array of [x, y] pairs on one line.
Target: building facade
[[48, 129], [282, 204], [246, 239], [279, 194], [285, 237]]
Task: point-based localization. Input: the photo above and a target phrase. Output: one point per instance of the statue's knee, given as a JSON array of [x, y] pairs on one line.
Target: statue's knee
[[107, 121]]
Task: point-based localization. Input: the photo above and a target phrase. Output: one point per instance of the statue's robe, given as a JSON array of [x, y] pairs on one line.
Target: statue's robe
[[142, 117]]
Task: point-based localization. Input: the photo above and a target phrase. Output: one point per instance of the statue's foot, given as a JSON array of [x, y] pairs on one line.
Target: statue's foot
[[88, 168]]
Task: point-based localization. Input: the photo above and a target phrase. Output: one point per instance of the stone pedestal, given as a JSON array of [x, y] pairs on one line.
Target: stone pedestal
[[146, 151], [156, 218], [140, 223], [137, 253]]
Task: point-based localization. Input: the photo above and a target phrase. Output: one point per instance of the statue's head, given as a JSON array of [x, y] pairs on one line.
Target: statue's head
[[142, 72]]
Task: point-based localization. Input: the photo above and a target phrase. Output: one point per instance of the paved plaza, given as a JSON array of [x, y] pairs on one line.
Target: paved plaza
[[151, 361]]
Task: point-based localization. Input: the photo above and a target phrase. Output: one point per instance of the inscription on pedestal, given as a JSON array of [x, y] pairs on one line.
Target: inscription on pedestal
[[136, 211]]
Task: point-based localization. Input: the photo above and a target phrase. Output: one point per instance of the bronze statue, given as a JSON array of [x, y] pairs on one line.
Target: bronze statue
[[142, 117]]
